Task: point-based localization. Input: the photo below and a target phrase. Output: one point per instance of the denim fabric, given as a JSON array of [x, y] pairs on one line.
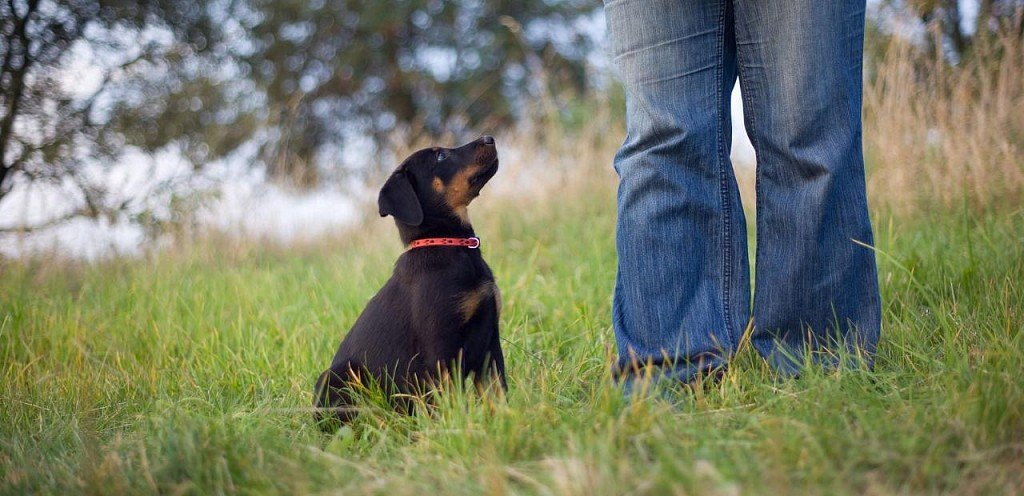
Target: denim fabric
[[683, 291]]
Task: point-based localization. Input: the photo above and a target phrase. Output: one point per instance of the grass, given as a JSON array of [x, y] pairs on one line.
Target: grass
[[186, 372], [941, 134]]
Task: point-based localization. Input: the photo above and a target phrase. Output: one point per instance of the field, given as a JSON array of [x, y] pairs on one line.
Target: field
[[189, 371]]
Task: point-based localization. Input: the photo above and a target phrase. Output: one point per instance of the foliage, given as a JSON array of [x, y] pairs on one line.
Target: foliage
[[296, 78], [415, 68], [950, 33], [53, 122]]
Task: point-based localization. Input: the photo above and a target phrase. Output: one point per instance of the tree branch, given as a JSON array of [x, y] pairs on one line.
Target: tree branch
[[16, 91], [50, 223], [90, 101]]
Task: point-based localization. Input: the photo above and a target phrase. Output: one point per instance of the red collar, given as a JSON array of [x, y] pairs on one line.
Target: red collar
[[473, 242]]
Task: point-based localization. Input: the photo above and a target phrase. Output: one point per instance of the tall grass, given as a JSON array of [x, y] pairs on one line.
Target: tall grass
[[941, 134], [189, 372]]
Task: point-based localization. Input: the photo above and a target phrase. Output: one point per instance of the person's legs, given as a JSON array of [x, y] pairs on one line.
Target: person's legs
[[682, 294], [800, 74]]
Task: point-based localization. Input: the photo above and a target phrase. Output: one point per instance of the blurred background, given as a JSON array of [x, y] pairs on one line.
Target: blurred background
[[127, 126]]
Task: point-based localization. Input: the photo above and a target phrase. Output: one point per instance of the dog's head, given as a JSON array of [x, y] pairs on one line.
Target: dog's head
[[435, 185]]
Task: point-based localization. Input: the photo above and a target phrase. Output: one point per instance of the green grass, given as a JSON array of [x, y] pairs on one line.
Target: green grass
[[182, 373]]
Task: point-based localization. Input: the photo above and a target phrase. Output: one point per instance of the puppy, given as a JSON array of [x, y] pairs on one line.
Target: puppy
[[438, 313]]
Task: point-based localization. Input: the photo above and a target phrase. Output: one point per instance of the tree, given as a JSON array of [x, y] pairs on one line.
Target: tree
[[294, 78], [50, 130], [945, 20], [424, 67]]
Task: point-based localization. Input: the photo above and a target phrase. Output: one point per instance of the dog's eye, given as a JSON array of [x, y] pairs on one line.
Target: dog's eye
[[441, 155]]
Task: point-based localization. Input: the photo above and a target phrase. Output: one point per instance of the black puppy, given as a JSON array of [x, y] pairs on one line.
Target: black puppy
[[440, 307]]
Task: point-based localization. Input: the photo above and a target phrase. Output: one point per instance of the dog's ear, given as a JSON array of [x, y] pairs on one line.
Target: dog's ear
[[397, 198]]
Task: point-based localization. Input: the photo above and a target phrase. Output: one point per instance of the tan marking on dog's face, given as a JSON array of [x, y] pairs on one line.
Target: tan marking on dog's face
[[438, 185], [470, 301], [458, 193]]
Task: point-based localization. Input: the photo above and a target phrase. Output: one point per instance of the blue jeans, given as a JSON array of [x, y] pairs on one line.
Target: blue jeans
[[682, 295]]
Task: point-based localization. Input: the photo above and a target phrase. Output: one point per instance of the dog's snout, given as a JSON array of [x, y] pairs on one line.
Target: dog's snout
[[488, 140]]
